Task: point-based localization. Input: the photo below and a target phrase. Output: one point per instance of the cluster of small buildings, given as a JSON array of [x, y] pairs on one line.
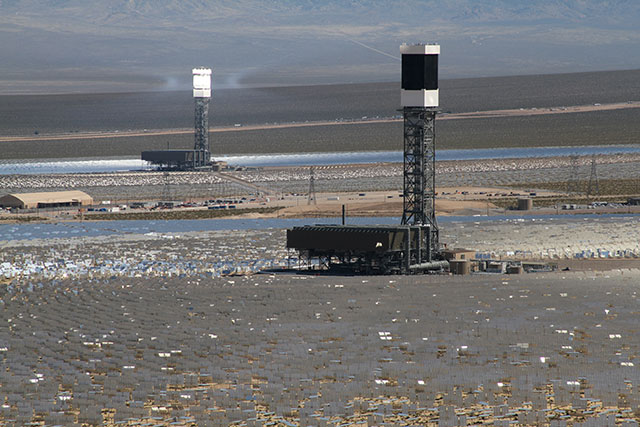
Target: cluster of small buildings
[[466, 261]]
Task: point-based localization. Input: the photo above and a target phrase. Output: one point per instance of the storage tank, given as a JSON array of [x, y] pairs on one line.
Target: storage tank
[[462, 266]]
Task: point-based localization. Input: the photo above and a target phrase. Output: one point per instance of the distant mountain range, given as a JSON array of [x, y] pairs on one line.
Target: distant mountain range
[[598, 11], [153, 43]]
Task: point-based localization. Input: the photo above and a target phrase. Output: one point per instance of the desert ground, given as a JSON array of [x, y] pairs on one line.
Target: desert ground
[[152, 318], [508, 127], [252, 127], [142, 326], [168, 328]]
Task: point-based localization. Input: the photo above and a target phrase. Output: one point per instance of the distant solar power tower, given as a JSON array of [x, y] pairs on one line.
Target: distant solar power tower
[[200, 156], [419, 98], [202, 96]]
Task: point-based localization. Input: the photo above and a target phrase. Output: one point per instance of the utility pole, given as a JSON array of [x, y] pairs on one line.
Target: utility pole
[[166, 190], [594, 185], [573, 183], [312, 187]]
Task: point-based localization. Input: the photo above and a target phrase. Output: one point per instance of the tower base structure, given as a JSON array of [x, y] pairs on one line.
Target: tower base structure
[[200, 157], [180, 160], [374, 249], [419, 172]]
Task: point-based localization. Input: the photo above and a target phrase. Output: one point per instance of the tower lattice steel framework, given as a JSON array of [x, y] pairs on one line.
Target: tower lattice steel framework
[[202, 126], [420, 170]]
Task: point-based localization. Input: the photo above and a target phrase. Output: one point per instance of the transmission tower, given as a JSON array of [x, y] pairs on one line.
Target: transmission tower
[[166, 189], [312, 187], [573, 183], [594, 184]]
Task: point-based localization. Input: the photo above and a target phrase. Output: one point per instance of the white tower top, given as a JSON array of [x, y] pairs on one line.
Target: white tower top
[[420, 75], [202, 82]]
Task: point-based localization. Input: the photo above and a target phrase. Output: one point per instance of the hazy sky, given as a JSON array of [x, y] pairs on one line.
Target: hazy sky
[[90, 45]]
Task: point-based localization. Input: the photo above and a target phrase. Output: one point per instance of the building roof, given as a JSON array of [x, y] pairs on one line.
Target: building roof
[[50, 197]]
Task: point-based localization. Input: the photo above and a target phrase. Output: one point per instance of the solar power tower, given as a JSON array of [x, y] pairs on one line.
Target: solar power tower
[[419, 99], [202, 96]]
